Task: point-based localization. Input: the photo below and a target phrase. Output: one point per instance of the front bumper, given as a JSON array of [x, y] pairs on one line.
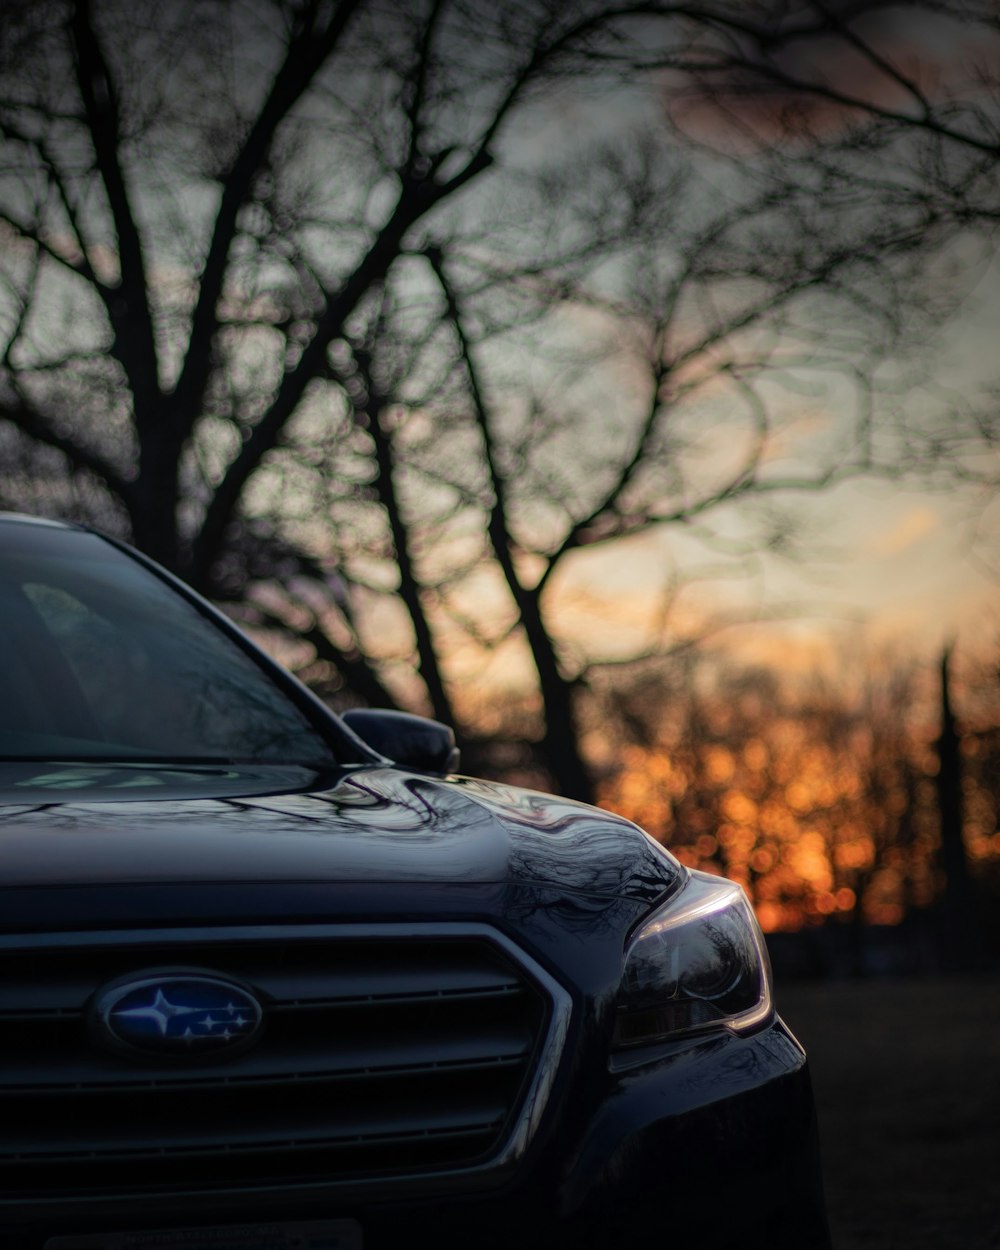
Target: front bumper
[[711, 1144]]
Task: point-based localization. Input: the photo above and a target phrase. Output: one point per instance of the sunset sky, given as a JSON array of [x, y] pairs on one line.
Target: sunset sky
[[915, 560], [916, 566]]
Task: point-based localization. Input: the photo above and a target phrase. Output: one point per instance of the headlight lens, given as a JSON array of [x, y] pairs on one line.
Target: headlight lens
[[699, 962]]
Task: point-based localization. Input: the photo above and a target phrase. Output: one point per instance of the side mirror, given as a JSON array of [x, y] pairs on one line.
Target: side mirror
[[412, 741]]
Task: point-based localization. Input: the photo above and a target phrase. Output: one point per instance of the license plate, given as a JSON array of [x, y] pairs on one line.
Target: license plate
[[302, 1235]]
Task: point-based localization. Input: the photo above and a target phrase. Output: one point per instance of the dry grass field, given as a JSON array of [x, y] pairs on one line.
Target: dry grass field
[[907, 1081]]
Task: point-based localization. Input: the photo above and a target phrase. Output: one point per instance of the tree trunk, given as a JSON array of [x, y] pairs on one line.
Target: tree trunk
[[562, 731], [958, 927]]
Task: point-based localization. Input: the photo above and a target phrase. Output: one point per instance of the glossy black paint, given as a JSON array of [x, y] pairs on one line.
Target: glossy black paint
[[702, 1142], [378, 825]]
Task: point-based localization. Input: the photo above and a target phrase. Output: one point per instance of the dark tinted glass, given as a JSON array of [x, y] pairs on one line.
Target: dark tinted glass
[[101, 659]]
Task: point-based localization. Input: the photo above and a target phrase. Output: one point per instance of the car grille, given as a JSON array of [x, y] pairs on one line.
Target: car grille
[[384, 1054]]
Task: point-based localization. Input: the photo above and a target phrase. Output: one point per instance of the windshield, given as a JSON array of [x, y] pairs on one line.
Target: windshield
[[102, 660]]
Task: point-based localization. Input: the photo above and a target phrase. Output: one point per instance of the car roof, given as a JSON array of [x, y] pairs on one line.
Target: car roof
[[22, 518]]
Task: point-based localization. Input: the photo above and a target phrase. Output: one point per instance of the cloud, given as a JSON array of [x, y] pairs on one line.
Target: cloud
[[907, 531], [747, 106]]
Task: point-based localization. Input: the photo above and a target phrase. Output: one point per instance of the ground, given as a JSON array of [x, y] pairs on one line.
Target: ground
[[907, 1081]]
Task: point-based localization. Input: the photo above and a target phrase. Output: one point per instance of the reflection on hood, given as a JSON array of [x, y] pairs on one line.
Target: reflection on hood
[[80, 823]]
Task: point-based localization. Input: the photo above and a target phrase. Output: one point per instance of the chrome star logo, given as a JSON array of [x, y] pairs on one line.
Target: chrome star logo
[[177, 1014]]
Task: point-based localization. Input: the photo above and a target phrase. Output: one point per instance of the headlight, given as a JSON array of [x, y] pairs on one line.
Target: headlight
[[699, 962]]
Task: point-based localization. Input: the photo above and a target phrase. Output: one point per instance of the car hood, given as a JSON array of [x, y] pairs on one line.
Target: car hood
[[73, 825]]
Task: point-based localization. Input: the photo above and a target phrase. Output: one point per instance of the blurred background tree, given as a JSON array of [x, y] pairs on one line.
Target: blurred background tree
[[325, 306], [851, 793]]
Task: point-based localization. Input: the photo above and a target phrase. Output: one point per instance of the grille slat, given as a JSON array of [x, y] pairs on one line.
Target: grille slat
[[380, 1056], [44, 985], [98, 1075], [118, 1135]]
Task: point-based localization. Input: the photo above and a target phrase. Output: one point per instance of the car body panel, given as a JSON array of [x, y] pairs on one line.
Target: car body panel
[[376, 824], [161, 867]]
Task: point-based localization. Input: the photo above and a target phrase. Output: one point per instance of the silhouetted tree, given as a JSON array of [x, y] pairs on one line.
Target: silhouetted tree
[[957, 896], [290, 297], [811, 793]]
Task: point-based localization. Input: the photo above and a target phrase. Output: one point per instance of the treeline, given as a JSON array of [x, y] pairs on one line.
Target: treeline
[[387, 325], [832, 798]]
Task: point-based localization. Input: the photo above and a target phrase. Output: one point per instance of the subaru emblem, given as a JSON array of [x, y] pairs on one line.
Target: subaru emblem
[[176, 1015]]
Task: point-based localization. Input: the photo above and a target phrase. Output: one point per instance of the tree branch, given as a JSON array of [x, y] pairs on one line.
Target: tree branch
[[308, 50], [416, 199], [129, 308], [26, 417], [373, 404]]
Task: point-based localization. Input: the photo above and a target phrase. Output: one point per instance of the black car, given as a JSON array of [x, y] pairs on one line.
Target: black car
[[272, 979]]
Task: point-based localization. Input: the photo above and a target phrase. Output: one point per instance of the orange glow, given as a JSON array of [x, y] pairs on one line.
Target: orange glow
[[820, 814]]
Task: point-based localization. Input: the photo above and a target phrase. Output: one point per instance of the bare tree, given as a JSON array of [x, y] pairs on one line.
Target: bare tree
[[291, 297]]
